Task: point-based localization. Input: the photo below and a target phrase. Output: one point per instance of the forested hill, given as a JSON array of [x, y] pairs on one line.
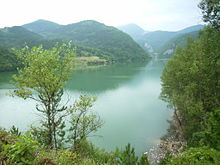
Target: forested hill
[[117, 45], [42, 26], [17, 36], [169, 48], [158, 41]]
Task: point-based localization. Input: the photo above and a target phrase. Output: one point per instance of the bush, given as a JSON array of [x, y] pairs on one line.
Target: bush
[[211, 131], [196, 156], [21, 151], [88, 151], [60, 157]]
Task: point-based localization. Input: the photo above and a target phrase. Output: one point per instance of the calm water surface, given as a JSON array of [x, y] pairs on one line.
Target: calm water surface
[[127, 101]]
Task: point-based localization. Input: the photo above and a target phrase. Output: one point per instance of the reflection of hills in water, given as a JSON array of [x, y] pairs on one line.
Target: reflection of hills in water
[[104, 78], [5, 78], [113, 76]]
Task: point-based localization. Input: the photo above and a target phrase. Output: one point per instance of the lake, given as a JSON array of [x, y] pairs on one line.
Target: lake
[[128, 102]]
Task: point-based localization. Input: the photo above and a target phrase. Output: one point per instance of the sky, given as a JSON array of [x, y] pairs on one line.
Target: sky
[[171, 15]]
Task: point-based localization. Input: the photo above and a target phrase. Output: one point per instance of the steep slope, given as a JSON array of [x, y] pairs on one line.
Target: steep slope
[[191, 29], [133, 30], [157, 39], [118, 45], [168, 49], [16, 36]]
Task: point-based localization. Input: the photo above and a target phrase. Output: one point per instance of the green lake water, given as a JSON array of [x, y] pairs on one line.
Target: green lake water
[[128, 102]]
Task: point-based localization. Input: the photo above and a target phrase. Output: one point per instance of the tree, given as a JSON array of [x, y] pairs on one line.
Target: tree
[[190, 82], [211, 12], [42, 78], [128, 157], [83, 121]]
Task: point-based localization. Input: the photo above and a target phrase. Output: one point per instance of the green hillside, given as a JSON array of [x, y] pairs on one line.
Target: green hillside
[[117, 45], [42, 26], [168, 49], [157, 41], [8, 61], [16, 36]]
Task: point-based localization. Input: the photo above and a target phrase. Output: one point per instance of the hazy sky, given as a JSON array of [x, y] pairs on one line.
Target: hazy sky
[[149, 14]]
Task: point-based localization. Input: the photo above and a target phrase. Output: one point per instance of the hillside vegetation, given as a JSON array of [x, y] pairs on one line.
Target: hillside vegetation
[[191, 87], [163, 43], [90, 38], [168, 49], [118, 45]]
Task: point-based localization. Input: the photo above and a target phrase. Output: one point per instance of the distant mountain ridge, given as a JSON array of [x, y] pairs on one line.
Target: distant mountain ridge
[[118, 45], [17, 36], [156, 41], [135, 31], [168, 49], [91, 38], [42, 26]]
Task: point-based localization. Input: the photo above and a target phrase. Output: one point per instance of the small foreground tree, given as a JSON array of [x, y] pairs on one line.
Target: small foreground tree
[[42, 78], [83, 121]]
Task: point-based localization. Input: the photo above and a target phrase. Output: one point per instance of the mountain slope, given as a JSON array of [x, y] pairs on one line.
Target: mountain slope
[[168, 49], [158, 39], [16, 36], [191, 29], [133, 30], [42, 27], [118, 45]]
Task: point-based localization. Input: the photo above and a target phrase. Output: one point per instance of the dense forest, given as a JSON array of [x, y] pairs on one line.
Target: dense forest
[[190, 84]]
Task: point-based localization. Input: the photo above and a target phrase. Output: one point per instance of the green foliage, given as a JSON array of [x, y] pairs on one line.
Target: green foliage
[[88, 151], [83, 121], [211, 130], [60, 157], [143, 160], [42, 78], [15, 131], [5, 138], [190, 82], [211, 12], [21, 151], [173, 43], [8, 60], [128, 156], [196, 156]]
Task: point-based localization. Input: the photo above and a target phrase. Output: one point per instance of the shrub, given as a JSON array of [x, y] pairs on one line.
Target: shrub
[[60, 157], [21, 151], [196, 156]]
